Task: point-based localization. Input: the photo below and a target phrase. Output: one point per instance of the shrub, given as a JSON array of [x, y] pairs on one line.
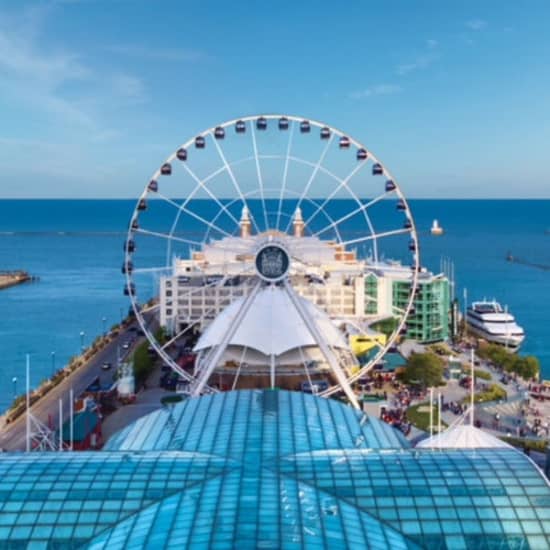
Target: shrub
[[493, 393]]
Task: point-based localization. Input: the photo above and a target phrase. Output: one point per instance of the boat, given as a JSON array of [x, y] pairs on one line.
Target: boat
[[436, 229], [491, 322]]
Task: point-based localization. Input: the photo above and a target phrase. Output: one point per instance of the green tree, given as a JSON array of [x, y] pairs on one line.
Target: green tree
[[143, 363], [423, 369], [386, 326]]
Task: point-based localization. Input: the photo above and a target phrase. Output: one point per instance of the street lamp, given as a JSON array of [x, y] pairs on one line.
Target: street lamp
[[82, 333], [14, 380], [104, 321], [53, 362]]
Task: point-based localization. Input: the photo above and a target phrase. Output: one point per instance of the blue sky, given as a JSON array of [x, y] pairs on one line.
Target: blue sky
[[453, 96]]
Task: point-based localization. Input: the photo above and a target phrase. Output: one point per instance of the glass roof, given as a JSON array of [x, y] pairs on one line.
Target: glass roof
[[281, 422], [271, 469]]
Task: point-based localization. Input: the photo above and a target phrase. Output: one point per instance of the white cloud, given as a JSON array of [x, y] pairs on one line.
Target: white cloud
[[377, 90], [476, 24], [159, 54], [128, 86], [420, 62], [56, 83]]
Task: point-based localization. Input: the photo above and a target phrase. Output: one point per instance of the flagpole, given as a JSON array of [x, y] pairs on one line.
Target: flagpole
[[28, 419], [472, 387]]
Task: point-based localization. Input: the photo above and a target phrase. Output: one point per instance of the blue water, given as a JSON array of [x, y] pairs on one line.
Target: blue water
[[75, 247]]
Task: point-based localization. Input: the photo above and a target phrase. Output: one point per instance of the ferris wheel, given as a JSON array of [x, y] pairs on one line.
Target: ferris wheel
[[267, 215]]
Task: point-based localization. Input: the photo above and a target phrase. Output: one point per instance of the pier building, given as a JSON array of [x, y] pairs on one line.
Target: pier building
[[328, 276]]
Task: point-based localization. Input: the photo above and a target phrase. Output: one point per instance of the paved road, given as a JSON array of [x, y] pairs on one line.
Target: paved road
[[13, 436]]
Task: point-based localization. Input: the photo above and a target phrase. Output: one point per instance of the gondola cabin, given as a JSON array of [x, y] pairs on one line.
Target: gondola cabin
[[390, 186], [344, 142], [283, 123], [362, 154]]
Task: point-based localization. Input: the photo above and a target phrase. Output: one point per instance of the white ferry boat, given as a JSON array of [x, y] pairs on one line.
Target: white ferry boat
[[490, 321]]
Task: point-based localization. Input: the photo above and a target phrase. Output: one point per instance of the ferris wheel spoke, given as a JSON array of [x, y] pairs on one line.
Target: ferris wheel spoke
[[358, 210], [375, 236], [166, 236], [229, 170], [312, 177], [285, 173], [236, 378], [201, 183], [182, 208], [259, 173], [343, 183]]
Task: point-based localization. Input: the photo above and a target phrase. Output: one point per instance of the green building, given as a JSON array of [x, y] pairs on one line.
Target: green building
[[387, 291]]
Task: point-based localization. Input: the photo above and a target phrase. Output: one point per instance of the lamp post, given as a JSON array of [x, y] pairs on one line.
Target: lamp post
[[82, 333], [104, 321], [53, 362], [14, 380]]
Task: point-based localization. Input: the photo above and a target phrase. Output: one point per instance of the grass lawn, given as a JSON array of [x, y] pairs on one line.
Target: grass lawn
[[419, 416]]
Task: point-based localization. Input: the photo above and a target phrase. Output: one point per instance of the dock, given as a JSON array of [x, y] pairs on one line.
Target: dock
[[12, 278]]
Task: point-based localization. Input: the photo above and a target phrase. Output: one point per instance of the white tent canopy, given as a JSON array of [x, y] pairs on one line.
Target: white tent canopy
[[272, 325], [462, 436]]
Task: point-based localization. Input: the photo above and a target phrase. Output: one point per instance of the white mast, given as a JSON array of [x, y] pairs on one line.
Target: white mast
[[465, 308], [439, 417], [28, 419], [71, 419], [60, 424], [431, 412], [472, 387]]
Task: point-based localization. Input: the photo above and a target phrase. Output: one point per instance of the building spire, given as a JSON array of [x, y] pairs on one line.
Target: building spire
[[298, 223], [245, 222]]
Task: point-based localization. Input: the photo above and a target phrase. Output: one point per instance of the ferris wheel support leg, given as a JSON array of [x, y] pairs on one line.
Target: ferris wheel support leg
[[325, 350], [205, 371]]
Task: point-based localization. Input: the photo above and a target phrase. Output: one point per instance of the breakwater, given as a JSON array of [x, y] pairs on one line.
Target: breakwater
[[12, 278]]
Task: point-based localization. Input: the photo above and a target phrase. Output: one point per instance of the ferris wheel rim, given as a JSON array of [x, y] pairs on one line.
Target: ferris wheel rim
[[296, 120]]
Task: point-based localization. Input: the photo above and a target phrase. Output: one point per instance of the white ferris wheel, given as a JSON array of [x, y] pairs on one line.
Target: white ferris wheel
[[256, 235]]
